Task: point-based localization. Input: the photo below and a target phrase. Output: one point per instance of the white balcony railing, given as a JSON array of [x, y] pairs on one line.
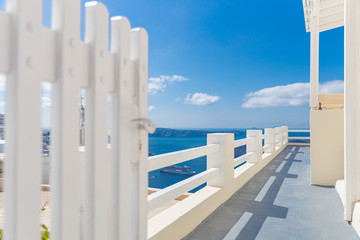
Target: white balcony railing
[[225, 174], [167, 159], [216, 144], [157, 199]]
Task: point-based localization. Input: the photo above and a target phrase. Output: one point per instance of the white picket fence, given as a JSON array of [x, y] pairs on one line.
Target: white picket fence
[[86, 201]]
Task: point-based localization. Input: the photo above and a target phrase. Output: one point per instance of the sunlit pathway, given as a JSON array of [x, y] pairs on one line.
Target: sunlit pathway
[[279, 203]]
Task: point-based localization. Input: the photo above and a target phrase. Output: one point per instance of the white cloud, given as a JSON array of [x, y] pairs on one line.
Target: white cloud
[[45, 102], [46, 95], [335, 86], [151, 108], [46, 88], [177, 99], [175, 78], [201, 99], [294, 94], [158, 84]]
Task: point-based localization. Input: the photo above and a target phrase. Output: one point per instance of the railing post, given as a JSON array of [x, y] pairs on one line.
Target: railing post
[[278, 137], [285, 134], [269, 140], [255, 145], [224, 159]]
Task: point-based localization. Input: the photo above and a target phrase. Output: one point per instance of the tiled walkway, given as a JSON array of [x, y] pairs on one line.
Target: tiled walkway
[[279, 203]]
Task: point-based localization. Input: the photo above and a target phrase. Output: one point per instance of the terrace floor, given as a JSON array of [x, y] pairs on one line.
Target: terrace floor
[[279, 203]]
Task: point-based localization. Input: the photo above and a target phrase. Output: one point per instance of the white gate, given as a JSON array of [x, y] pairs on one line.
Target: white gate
[[96, 193]]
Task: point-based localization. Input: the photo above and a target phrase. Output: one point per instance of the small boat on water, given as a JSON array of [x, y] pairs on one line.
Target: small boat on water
[[185, 170]]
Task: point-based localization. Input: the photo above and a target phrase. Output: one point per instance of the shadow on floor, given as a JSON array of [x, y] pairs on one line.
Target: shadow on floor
[[244, 214], [262, 206]]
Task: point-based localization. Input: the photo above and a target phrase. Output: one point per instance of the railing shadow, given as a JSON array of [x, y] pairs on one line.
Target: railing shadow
[[261, 202], [245, 213]]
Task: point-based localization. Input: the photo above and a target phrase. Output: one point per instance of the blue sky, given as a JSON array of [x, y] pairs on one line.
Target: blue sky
[[229, 64]]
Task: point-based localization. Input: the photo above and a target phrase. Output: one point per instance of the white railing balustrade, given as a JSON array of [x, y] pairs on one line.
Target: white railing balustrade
[[218, 151], [167, 159], [158, 198], [225, 174], [242, 142], [220, 161], [163, 160], [246, 157]]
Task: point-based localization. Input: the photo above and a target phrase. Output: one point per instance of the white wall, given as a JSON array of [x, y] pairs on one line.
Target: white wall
[[327, 146]]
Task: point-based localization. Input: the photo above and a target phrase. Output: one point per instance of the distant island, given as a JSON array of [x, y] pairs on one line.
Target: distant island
[[169, 132]]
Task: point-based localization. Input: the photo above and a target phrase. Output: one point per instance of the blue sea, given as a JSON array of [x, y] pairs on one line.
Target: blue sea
[[166, 144], [160, 145]]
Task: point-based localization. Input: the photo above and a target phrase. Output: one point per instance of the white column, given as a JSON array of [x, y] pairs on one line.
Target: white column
[[255, 145], [284, 134], [278, 137], [314, 56], [224, 159], [352, 111], [270, 140]]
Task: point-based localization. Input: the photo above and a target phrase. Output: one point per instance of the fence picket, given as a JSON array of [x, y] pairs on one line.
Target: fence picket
[[65, 169], [120, 131], [139, 178], [23, 163], [48, 55], [5, 45], [96, 209]]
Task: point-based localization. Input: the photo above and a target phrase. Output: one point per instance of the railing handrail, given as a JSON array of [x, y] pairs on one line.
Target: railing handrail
[[299, 137], [243, 158], [168, 159], [241, 142], [293, 130], [160, 197]]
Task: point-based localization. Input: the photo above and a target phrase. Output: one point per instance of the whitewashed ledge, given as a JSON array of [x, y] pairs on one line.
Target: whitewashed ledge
[[179, 219]]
